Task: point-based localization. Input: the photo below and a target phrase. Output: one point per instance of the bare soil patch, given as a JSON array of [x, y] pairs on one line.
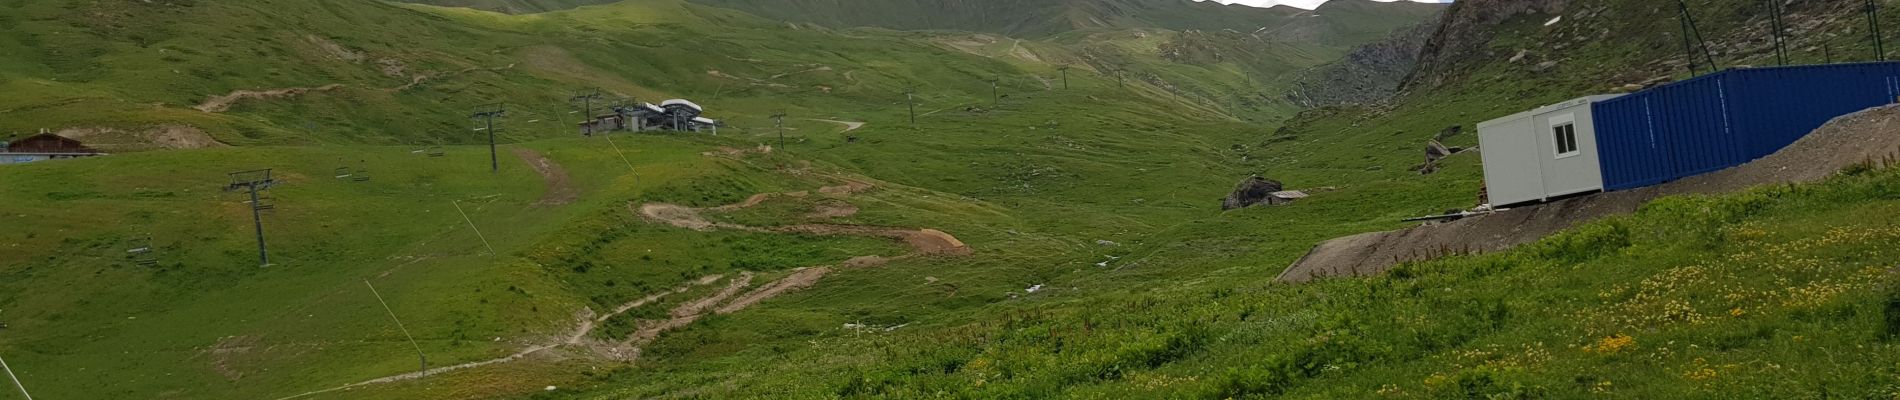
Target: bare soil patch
[[560, 190], [586, 321], [335, 50], [847, 189], [225, 352], [149, 138], [866, 262], [218, 104], [832, 209], [685, 313], [921, 241], [800, 279], [848, 125], [736, 153]]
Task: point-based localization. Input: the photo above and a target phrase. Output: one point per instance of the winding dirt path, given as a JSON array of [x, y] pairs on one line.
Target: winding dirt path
[[561, 190], [683, 314], [803, 278], [585, 326], [807, 70], [848, 125], [921, 241], [218, 104], [726, 301], [223, 103]]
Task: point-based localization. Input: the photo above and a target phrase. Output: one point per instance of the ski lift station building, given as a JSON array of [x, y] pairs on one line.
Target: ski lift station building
[[1670, 132]]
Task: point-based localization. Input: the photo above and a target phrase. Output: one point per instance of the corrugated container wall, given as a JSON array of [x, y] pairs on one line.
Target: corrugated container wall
[[1725, 119]]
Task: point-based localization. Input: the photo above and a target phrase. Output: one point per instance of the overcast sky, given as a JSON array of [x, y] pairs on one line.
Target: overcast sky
[[1306, 4]]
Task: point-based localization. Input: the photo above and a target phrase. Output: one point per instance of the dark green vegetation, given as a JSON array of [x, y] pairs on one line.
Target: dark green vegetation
[[1103, 193], [1781, 292]]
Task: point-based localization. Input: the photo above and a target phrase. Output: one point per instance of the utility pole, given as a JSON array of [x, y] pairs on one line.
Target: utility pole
[[1827, 51], [1873, 24], [1118, 79], [1688, 49], [586, 98], [488, 114], [910, 98], [254, 181], [1691, 32], [1065, 76], [778, 120], [1774, 19]]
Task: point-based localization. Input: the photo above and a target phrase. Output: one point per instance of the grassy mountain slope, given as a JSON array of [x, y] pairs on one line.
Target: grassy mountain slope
[[402, 91], [342, 81], [1042, 18], [1021, 179], [1036, 18], [1757, 293], [1101, 196], [1442, 329], [515, 6]]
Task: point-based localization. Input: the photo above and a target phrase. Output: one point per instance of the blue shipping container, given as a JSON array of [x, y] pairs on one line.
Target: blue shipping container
[[1729, 118]]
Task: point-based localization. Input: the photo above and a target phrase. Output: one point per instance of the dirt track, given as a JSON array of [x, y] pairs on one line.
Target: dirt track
[[587, 321], [1872, 135], [684, 314], [158, 136], [218, 104], [921, 241], [560, 190], [801, 279], [848, 125]]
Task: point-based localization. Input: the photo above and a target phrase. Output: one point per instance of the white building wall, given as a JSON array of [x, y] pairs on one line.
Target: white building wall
[[1576, 172], [1512, 172], [1522, 162]]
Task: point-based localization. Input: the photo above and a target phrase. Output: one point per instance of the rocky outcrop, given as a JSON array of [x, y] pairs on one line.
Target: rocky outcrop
[[1464, 33], [1251, 191], [1202, 48], [1626, 46], [1369, 74]]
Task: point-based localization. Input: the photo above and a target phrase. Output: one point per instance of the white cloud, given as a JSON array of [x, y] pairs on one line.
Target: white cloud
[[1306, 4]]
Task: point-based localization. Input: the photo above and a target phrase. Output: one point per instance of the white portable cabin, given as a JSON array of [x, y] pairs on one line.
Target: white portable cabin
[[1541, 154]]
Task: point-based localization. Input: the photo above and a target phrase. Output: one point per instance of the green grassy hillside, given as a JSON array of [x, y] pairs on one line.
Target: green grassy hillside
[[515, 6], [1101, 197], [334, 77], [1042, 18], [1020, 179], [1760, 294]]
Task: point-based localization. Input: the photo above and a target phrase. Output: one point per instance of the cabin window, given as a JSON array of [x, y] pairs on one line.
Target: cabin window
[[1565, 137]]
